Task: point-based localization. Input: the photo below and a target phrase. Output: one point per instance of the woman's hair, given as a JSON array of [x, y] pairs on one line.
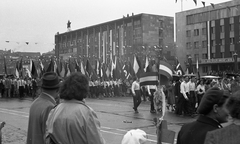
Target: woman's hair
[[233, 105], [75, 86]]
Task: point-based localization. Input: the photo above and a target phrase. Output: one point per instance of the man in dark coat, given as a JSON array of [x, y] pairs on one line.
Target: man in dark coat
[[177, 94], [41, 107], [213, 112]]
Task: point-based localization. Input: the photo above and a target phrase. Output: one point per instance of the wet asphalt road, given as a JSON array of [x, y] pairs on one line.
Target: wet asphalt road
[[115, 114]]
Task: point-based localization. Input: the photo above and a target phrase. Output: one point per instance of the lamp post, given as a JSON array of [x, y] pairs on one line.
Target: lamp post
[[235, 57]]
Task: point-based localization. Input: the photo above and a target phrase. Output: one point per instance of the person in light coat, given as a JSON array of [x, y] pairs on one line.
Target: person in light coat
[[73, 121]]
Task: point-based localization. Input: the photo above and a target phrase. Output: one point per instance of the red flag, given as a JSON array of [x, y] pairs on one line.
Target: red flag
[[91, 73], [33, 70], [50, 66]]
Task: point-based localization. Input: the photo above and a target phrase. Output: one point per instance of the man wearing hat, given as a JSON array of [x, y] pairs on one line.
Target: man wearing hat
[[41, 107], [212, 112]]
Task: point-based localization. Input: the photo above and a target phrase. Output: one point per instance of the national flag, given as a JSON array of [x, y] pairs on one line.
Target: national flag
[[33, 69], [16, 73], [149, 78], [63, 69], [136, 65], [82, 69], [55, 67], [77, 67], [68, 71], [50, 66], [165, 69], [213, 6], [117, 71], [108, 72], [146, 64], [113, 66], [195, 1], [91, 73], [204, 5], [178, 69], [5, 65], [97, 67]]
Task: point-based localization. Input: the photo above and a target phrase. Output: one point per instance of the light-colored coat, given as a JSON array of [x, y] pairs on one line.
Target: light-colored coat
[[227, 135], [73, 122], [38, 115]]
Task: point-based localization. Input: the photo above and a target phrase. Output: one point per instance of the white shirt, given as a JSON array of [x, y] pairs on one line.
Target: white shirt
[[154, 87], [202, 87], [184, 88], [135, 86], [192, 86]]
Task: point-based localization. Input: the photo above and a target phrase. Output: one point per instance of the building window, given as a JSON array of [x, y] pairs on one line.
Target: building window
[[204, 44], [231, 27], [205, 69], [74, 50], [196, 32], [232, 40], [196, 57], [160, 32], [188, 33], [212, 30], [222, 42], [221, 29], [188, 45], [204, 56], [213, 42], [204, 31], [213, 55], [222, 54], [196, 45]]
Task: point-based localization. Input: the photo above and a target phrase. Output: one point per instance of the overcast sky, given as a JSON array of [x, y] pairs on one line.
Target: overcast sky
[[37, 21]]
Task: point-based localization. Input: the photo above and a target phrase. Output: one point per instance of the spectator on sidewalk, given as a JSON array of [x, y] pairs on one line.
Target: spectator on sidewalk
[[213, 112], [41, 107], [136, 94], [73, 121]]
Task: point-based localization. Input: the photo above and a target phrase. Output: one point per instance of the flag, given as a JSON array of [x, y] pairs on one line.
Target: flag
[[178, 69], [97, 67], [204, 5], [50, 66], [108, 72], [213, 6], [117, 71], [146, 64], [63, 69], [176, 1], [195, 1], [82, 69], [91, 73], [125, 72], [77, 67], [5, 65], [113, 66], [136, 65], [68, 71], [16, 73], [165, 69], [149, 78], [33, 69], [55, 68]]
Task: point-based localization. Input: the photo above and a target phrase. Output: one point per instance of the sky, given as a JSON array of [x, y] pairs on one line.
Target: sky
[[30, 25]]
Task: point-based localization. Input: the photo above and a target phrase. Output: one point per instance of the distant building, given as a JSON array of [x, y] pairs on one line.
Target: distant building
[[209, 34], [142, 34]]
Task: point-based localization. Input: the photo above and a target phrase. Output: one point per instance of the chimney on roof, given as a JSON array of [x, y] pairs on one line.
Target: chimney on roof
[[123, 16], [127, 15], [132, 14]]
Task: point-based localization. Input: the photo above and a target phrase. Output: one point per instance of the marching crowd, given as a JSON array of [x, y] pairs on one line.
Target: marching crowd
[[11, 87]]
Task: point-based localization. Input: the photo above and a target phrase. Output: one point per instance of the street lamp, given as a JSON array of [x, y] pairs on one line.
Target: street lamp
[[235, 57]]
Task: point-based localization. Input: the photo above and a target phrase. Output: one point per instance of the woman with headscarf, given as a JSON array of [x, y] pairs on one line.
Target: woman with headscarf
[[72, 121]]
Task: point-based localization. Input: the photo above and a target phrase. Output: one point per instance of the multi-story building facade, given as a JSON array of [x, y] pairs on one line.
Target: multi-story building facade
[[141, 34], [209, 34]]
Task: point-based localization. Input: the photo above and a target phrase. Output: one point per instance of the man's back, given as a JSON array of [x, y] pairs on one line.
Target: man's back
[[195, 132], [39, 111], [226, 135]]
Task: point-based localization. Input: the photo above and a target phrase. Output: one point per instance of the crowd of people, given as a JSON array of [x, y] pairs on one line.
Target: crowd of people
[[11, 87]]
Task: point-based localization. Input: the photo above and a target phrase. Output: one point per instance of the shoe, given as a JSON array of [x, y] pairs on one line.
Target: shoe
[[136, 111], [152, 111]]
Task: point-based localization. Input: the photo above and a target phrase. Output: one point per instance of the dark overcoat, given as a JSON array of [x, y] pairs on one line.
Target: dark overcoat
[[195, 132]]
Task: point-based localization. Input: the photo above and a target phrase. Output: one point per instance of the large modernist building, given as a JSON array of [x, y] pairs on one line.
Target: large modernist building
[[142, 34], [209, 34]]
